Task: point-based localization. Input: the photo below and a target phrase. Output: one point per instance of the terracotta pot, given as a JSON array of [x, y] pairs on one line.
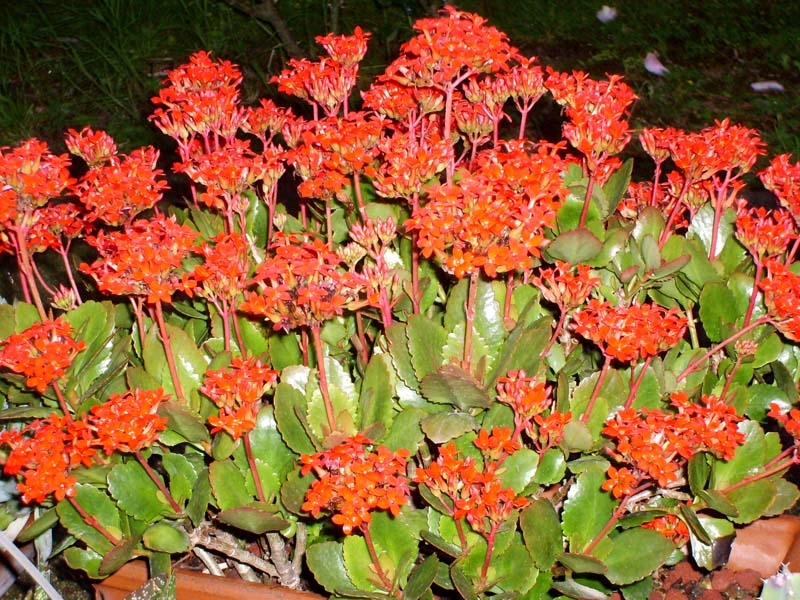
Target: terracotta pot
[[767, 544], [193, 585]]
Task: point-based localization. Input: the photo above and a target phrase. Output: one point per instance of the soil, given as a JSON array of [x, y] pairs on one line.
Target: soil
[[686, 582]]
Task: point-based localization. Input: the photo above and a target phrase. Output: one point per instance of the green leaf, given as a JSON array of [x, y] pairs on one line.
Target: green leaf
[[462, 583], [255, 517], [702, 553], [694, 524], [519, 469], [99, 506], [421, 578], [573, 589], [94, 323], [750, 457], [182, 476], [641, 590], [405, 431], [717, 311], [269, 448], [769, 350], [290, 406], [396, 544], [293, 492], [228, 485], [761, 396], [45, 520], [702, 226], [786, 497], [699, 471], [184, 422], [284, 350], [522, 348], [452, 385], [136, 493], [636, 554], [441, 544], [190, 362], [719, 502], [326, 561], [377, 392], [425, 342], [587, 508], [575, 246], [581, 563], [201, 496], [512, 569], [541, 531], [162, 537], [401, 356], [342, 394], [84, 559], [616, 187], [444, 426], [552, 467], [488, 321], [752, 500], [118, 556]]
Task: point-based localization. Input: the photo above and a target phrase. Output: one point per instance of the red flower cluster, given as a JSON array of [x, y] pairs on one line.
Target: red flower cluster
[[780, 296], [495, 218], [145, 259], [42, 353], [563, 288], [655, 445], [45, 452], [671, 527], [221, 278], [237, 391], [300, 284], [354, 480], [782, 177], [469, 492], [629, 333], [790, 420], [765, 233]]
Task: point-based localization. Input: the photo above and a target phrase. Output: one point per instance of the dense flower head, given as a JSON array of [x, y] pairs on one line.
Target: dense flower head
[[629, 333], [30, 175], [128, 422], [449, 49], [408, 164], [201, 98], [145, 259], [782, 177], [43, 452], [237, 391], [525, 82], [671, 527], [564, 288], [764, 232], [356, 478], [781, 298], [527, 396], [654, 445], [300, 284], [94, 147], [42, 353], [121, 187], [222, 275], [265, 121], [789, 419], [391, 99], [54, 226]]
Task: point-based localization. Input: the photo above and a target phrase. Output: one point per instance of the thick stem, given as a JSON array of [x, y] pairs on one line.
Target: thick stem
[[469, 309], [251, 461], [373, 554], [62, 402], [719, 207], [93, 522], [159, 483], [288, 572], [596, 392], [763, 475], [618, 512], [587, 200], [173, 370], [26, 266], [323, 378]]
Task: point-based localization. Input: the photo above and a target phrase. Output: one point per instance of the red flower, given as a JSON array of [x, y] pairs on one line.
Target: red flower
[[563, 288], [671, 527], [128, 422], [782, 177], [42, 353], [780, 296], [95, 147]]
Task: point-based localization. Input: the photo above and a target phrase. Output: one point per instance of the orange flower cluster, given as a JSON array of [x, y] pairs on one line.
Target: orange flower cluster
[[563, 288], [495, 218], [237, 391], [671, 527], [790, 420], [763, 232], [355, 479], [782, 178], [221, 278], [629, 333], [120, 187], [656, 445], [780, 296], [95, 147], [326, 83], [42, 353], [45, 452], [408, 164], [145, 259], [469, 492], [128, 422], [299, 285]]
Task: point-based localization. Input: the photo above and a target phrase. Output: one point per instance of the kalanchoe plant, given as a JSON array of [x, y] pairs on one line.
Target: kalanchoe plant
[[466, 363]]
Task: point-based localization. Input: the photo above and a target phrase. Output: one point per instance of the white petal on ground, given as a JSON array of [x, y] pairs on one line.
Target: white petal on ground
[[767, 86], [606, 14], [652, 64]]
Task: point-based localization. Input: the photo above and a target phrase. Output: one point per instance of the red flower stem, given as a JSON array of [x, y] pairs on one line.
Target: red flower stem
[[93, 522], [62, 402], [462, 538], [469, 308], [25, 266], [523, 121], [758, 476], [373, 554], [556, 333], [696, 363], [596, 392], [415, 295], [38, 274], [251, 460], [635, 385], [615, 516], [489, 552], [157, 480], [323, 378], [729, 380], [673, 215], [304, 346], [359, 199], [788, 452], [656, 177], [754, 293], [329, 224], [362, 338], [718, 210], [173, 371], [587, 200], [792, 252], [64, 252], [509, 294], [226, 325]]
